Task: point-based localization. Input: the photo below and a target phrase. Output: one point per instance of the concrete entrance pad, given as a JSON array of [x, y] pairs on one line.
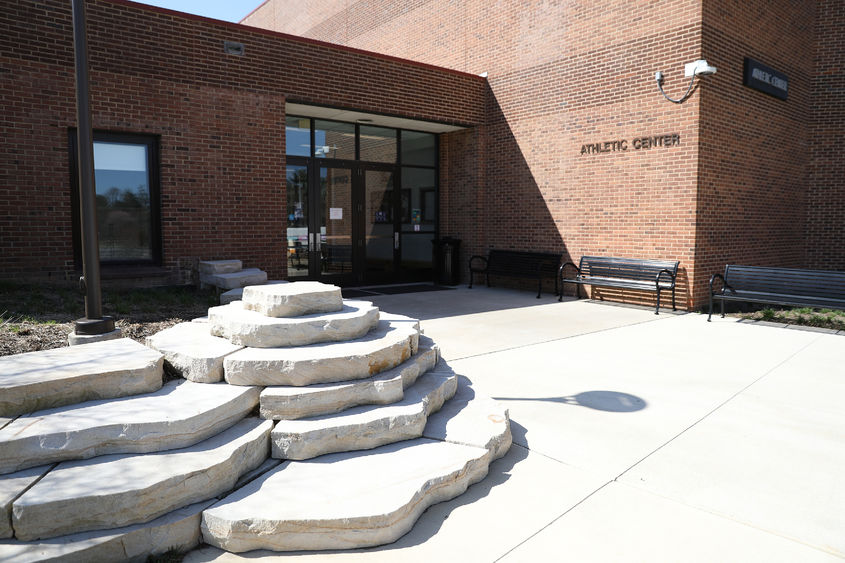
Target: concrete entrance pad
[[636, 437]]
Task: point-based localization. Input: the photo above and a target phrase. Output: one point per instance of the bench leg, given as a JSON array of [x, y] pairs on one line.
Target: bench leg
[[723, 308], [539, 287], [488, 280], [710, 314], [470, 280], [657, 308], [673, 300]]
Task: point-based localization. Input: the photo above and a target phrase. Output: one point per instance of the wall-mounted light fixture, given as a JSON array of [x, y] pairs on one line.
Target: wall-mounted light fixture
[[691, 70]]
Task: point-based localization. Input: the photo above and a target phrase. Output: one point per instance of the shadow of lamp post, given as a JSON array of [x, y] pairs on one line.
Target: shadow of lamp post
[[94, 323]]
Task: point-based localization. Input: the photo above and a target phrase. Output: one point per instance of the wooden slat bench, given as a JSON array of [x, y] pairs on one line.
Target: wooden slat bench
[[623, 273], [779, 286], [518, 264]]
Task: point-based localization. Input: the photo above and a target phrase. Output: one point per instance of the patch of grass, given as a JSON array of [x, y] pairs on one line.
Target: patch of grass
[[804, 316]]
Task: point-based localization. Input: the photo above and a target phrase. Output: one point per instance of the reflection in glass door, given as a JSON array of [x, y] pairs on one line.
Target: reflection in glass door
[[333, 233], [418, 221], [380, 236], [297, 229]]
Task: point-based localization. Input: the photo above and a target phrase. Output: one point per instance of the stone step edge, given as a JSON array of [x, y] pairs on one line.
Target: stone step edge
[[244, 327], [176, 531], [12, 486], [392, 342], [344, 531], [293, 300], [73, 375], [19, 450], [242, 278], [363, 428], [219, 266], [235, 294], [291, 403], [191, 352], [176, 481]]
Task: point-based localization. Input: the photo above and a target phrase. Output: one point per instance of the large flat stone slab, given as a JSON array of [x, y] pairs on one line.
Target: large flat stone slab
[[64, 376], [243, 278], [394, 340], [177, 530], [290, 403], [293, 299], [179, 414], [191, 351], [12, 486], [237, 294], [118, 490], [363, 428], [219, 266], [471, 419], [250, 328], [346, 500]]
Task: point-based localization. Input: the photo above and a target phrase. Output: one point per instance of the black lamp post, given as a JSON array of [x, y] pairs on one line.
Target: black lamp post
[[94, 322]]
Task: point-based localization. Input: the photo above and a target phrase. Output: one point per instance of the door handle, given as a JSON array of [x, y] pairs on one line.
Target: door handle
[[395, 241]]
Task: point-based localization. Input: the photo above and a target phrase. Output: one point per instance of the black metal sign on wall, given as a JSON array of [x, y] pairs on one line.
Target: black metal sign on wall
[[765, 78]]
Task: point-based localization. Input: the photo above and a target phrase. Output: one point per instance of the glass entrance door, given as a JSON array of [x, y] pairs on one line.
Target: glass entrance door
[[333, 233], [320, 223], [298, 227], [361, 202], [380, 234]]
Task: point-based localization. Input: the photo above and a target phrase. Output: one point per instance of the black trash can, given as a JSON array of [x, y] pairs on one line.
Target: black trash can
[[447, 264]]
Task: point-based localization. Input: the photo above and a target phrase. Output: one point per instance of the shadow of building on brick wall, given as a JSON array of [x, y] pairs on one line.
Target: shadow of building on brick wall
[[506, 208]]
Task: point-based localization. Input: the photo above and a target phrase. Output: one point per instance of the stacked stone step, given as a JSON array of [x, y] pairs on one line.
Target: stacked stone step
[[122, 471], [229, 274], [359, 394], [101, 461]]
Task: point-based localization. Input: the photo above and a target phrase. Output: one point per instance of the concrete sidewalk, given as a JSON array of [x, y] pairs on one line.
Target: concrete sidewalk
[[636, 437]]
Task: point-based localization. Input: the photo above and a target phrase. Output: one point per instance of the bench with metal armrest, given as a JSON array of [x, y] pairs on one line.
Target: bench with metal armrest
[[516, 263], [779, 286], [623, 273]]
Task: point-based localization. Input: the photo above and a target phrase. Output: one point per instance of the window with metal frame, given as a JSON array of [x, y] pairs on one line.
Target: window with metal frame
[[126, 178]]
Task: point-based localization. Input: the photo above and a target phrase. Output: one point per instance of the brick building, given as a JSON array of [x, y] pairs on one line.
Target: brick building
[[323, 132]]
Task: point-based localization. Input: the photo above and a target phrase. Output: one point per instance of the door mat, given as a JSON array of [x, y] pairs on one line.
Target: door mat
[[354, 293], [415, 288]]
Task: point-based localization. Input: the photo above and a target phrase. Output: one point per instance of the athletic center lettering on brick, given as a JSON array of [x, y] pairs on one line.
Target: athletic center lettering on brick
[[639, 143]]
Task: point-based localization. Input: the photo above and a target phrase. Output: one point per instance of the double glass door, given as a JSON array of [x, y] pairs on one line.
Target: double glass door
[[343, 223]]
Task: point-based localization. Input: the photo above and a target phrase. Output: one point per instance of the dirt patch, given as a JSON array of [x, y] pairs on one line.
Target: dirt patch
[[41, 317]]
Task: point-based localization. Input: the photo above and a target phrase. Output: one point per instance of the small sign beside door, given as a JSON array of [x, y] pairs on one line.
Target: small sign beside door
[[336, 213]]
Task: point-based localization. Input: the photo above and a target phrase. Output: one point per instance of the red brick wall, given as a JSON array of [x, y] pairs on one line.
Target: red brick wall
[[753, 165], [560, 75], [826, 197], [753, 180], [219, 118]]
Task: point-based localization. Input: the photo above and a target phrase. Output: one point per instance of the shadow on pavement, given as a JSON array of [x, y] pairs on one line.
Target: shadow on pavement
[[609, 401]]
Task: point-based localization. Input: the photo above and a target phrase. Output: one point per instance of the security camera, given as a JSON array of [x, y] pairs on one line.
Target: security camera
[[698, 68]]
